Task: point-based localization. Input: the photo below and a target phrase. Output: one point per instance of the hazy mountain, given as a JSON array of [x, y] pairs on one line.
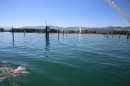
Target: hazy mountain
[[43, 27]]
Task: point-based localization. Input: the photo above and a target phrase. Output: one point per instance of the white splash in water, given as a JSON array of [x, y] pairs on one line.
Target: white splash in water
[[8, 72]]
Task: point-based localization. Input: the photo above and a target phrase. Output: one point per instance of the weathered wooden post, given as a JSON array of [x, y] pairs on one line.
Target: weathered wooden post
[[12, 32], [107, 35], [24, 31], [47, 44], [119, 34], [58, 33], [66, 32], [58, 30], [47, 30], [63, 32], [63, 35], [128, 35], [12, 35], [112, 34]]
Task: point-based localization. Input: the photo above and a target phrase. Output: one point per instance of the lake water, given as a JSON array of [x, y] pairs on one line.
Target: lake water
[[65, 60]]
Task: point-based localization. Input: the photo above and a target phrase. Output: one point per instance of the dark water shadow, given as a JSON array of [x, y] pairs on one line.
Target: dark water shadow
[[63, 37], [13, 39], [47, 43], [66, 34], [24, 35], [47, 46], [58, 37]]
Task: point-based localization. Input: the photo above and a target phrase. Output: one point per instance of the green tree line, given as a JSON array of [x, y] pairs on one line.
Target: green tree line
[[1, 29], [30, 30], [35, 30]]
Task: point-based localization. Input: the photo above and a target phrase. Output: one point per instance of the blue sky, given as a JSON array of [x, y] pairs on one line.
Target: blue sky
[[63, 13]]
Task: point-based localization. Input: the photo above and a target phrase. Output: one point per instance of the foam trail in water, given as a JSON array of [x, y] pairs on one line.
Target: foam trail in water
[[8, 72]]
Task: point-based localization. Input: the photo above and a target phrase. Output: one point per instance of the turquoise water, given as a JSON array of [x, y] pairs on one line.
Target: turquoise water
[[66, 60]]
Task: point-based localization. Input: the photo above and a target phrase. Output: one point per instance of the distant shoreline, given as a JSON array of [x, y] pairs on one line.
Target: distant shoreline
[[105, 34], [93, 31]]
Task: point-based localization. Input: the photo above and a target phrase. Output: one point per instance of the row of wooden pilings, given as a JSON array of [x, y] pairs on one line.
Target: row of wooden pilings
[[128, 34], [47, 30]]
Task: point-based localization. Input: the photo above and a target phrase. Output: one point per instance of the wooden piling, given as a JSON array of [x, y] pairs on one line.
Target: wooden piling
[[119, 34], [128, 35], [12, 32], [66, 32], [12, 36], [107, 35], [58, 34], [47, 44], [112, 34], [58, 31], [24, 31], [63, 31], [47, 31]]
